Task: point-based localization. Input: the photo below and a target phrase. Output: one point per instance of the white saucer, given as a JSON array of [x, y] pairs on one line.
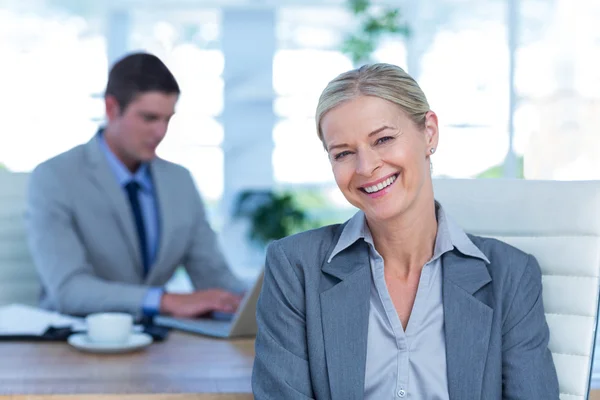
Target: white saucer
[[136, 341]]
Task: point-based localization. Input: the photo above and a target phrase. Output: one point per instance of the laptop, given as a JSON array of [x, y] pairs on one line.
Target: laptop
[[241, 324]]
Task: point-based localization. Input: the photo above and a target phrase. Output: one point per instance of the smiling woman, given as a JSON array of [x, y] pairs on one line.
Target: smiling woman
[[392, 156], [377, 305]]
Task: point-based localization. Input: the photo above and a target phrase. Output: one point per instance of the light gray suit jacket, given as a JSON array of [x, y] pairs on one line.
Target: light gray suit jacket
[[313, 317], [83, 240]]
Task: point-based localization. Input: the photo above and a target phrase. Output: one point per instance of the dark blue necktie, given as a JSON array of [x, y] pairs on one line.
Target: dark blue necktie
[[133, 189]]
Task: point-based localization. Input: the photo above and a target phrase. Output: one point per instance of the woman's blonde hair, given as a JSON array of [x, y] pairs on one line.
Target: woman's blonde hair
[[386, 81]]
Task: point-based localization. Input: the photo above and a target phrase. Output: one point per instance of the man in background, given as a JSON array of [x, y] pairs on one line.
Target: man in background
[[109, 222]]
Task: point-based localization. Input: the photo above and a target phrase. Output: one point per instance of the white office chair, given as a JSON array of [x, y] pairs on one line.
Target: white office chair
[[559, 224], [19, 282]]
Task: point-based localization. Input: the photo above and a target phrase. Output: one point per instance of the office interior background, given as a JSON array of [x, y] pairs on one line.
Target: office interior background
[[515, 83]]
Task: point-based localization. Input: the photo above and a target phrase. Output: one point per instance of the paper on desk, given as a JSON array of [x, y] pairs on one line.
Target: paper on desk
[[20, 319]]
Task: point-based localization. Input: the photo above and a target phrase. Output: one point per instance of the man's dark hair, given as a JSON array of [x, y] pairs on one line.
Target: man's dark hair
[[138, 73]]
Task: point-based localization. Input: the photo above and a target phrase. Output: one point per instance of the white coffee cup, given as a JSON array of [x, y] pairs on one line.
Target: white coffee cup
[[109, 327]]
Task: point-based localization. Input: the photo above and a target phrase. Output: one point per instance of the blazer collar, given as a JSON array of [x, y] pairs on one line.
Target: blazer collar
[[142, 176], [344, 294], [345, 290], [467, 323], [449, 235], [167, 193], [104, 179]]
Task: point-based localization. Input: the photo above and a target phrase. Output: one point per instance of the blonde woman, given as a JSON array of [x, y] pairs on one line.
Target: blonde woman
[[398, 302]]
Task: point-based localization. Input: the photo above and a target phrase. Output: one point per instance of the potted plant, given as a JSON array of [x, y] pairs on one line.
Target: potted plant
[[272, 215], [374, 22]]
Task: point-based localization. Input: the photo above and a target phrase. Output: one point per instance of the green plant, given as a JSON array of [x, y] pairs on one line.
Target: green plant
[[272, 215], [497, 171], [374, 22]]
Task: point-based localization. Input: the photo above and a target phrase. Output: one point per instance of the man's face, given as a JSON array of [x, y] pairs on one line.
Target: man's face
[[135, 133]]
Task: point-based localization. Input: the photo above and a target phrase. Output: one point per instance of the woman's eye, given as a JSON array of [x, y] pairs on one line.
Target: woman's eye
[[341, 155], [384, 139]]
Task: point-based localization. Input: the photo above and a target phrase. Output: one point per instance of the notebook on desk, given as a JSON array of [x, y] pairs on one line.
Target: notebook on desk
[[21, 322], [241, 324], [28, 323]]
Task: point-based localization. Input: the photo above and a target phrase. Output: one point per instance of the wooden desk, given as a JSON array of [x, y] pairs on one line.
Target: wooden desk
[[183, 367]]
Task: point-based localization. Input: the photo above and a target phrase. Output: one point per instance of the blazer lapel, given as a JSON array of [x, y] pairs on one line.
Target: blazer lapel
[[105, 181], [165, 198], [467, 324], [345, 316]]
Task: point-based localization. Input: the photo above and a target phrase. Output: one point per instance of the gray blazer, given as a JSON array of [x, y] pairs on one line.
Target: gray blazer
[[83, 240], [313, 316]]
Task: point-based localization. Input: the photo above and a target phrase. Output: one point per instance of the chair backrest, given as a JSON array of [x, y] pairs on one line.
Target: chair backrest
[[559, 224], [19, 282]]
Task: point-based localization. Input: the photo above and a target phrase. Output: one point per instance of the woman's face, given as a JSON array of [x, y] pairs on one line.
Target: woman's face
[[379, 157]]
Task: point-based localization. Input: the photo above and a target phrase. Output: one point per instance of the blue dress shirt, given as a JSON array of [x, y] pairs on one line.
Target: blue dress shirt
[[150, 214]]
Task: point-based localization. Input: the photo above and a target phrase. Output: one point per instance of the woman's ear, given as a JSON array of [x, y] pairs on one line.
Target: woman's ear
[[431, 132]]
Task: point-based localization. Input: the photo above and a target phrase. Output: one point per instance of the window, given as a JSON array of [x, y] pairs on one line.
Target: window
[[299, 78], [188, 43], [558, 85], [464, 74], [48, 110], [308, 58]]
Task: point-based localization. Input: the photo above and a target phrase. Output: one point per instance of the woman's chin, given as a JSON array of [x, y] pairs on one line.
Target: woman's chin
[[382, 213]]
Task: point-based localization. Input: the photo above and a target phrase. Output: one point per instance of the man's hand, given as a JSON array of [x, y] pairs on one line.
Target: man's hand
[[197, 303]]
